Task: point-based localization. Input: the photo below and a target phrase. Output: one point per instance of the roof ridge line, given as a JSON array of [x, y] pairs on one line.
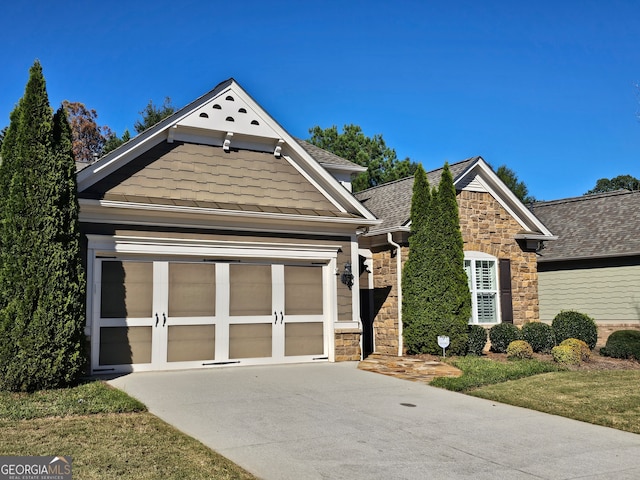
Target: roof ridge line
[[591, 196]]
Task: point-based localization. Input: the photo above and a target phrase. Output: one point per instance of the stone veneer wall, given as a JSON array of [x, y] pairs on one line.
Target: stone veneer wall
[[605, 330], [385, 284], [347, 346], [486, 227]]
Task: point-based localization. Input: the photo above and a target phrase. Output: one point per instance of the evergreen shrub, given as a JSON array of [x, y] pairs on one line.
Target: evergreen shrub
[[623, 344], [566, 355], [477, 339], [539, 335], [519, 350], [572, 324], [502, 335], [581, 347]]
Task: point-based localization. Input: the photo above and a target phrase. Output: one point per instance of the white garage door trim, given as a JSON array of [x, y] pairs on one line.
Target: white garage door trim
[[162, 250]]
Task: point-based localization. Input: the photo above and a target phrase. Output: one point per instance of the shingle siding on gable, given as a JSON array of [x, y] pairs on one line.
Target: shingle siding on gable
[[189, 172], [487, 227]]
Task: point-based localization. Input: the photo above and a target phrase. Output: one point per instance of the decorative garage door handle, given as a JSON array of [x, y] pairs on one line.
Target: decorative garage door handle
[[164, 319], [281, 318], [157, 319], [276, 315]]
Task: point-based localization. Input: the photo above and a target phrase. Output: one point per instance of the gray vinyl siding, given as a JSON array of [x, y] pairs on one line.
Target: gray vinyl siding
[[608, 294]]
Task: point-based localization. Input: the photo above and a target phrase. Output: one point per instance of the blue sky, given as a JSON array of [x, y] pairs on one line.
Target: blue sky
[[545, 87]]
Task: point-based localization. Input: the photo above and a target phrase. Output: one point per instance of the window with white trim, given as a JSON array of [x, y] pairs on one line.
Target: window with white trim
[[482, 275]]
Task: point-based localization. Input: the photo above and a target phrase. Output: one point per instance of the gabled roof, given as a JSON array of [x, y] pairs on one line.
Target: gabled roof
[[328, 159], [228, 117], [391, 202], [592, 226]]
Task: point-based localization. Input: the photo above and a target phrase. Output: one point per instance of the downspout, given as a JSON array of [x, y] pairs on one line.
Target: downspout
[[399, 286]]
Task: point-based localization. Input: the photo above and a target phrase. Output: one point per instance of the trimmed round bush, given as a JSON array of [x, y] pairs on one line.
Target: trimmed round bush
[[477, 339], [519, 350], [581, 347], [572, 324], [566, 355], [623, 344], [502, 335], [539, 335]]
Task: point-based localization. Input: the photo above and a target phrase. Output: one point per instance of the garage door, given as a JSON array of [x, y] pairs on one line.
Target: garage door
[[158, 315]]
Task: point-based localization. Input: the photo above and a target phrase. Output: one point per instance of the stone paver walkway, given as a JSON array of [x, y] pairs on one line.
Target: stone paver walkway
[[408, 368]]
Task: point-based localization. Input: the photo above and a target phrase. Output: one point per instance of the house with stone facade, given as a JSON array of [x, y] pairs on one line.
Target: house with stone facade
[[501, 237], [594, 266], [215, 238]]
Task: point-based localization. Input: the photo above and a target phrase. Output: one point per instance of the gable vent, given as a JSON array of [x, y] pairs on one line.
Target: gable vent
[[217, 107], [255, 122], [242, 110], [230, 119], [204, 115], [471, 184], [230, 98]]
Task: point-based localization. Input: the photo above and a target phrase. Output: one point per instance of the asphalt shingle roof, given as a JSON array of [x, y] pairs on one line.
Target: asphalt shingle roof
[[391, 202], [325, 157], [591, 226]]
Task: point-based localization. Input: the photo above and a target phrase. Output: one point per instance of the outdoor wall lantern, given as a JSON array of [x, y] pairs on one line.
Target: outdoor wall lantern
[[347, 275]]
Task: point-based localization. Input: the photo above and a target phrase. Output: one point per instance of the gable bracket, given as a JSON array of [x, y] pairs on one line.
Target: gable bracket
[[227, 142], [171, 134], [278, 150]]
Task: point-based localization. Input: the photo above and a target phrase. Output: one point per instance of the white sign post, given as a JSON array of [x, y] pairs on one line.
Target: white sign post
[[443, 341]]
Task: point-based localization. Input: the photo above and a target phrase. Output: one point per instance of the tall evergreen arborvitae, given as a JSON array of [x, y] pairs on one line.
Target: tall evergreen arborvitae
[[41, 277], [436, 298], [450, 308], [415, 274]]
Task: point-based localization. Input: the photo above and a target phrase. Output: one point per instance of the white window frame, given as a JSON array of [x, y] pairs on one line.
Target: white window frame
[[473, 257]]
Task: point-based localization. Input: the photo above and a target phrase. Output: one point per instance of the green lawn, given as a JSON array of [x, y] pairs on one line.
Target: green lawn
[[108, 434], [609, 398]]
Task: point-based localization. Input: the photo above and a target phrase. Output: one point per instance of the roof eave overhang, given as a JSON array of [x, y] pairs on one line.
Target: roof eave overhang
[[114, 212], [534, 236], [343, 168], [542, 259]]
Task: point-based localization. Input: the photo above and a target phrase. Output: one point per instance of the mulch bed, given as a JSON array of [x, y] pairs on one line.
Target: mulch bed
[[597, 362]]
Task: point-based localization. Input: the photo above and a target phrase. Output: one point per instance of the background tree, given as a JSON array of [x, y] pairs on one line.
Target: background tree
[[153, 114], [89, 139], [113, 141], [436, 297], [41, 278], [626, 182], [519, 188], [372, 152]]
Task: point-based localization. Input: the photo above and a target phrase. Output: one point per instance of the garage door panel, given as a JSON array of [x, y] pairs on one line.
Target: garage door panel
[[303, 290], [304, 339], [191, 343], [125, 345], [127, 289], [250, 340], [250, 289], [192, 289]]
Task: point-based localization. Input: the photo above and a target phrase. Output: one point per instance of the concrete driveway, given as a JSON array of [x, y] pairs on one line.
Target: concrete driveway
[[333, 421]]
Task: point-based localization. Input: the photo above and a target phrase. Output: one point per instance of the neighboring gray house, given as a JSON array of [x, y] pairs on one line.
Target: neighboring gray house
[[594, 266]]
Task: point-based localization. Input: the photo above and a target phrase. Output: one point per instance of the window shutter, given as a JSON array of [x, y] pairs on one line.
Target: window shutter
[[506, 305]]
